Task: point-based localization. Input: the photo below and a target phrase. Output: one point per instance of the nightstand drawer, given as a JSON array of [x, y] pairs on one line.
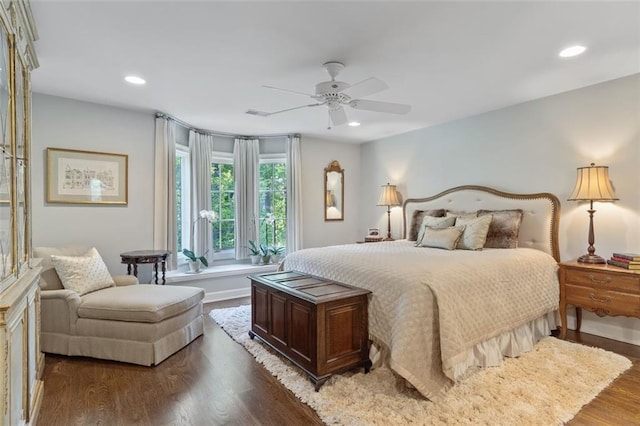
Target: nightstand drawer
[[610, 302], [604, 280]]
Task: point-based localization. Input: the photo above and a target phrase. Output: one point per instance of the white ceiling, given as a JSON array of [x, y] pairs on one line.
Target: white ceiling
[[206, 61]]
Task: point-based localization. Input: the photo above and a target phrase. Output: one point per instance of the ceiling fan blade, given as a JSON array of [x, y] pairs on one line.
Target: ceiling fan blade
[[291, 91], [338, 116], [365, 88], [267, 114], [379, 106]]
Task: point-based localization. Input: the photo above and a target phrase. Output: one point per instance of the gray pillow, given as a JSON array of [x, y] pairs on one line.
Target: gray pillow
[[416, 221], [504, 228]]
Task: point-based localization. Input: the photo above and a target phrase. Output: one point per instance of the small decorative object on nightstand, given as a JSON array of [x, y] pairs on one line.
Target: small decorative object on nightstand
[[602, 289]]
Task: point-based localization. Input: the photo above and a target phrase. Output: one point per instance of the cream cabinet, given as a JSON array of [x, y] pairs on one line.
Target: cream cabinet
[[21, 362]]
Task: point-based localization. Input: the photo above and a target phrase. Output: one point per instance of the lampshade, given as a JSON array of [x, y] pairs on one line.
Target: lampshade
[[388, 196], [592, 184]]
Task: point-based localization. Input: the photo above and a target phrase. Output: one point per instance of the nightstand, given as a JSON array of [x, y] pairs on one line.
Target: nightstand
[[602, 289]]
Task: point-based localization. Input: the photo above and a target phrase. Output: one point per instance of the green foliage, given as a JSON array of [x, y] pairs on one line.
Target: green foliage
[[273, 200], [192, 257], [255, 251], [264, 249], [276, 250], [222, 202]]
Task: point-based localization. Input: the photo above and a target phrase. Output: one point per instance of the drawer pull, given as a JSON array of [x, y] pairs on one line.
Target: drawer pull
[[599, 299], [606, 280]]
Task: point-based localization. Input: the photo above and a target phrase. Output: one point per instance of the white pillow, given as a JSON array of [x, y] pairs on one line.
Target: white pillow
[[83, 274], [444, 238], [434, 222], [475, 232]]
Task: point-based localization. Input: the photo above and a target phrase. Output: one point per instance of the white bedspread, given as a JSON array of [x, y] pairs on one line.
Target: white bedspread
[[479, 294]]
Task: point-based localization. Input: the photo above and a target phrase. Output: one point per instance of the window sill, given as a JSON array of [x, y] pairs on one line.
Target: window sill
[[219, 271]]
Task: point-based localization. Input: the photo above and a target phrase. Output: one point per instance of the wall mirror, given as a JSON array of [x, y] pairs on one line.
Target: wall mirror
[[333, 192]]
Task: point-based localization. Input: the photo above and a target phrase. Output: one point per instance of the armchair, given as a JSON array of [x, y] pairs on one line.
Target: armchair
[[130, 322]]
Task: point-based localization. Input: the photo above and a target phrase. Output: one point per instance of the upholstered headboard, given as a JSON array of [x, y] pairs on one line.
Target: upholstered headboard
[[540, 220]]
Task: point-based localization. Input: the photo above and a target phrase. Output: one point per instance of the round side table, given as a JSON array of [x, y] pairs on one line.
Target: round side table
[[146, 256]]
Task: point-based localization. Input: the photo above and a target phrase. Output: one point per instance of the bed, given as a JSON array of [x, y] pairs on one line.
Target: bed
[[437, 315]]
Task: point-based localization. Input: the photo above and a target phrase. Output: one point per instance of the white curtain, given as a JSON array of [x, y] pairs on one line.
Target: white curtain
[[164, 205], [246, 165], [294, 195], [200, 147]]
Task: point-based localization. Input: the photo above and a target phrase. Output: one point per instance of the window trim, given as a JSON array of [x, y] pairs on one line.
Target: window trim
[[183, 152]]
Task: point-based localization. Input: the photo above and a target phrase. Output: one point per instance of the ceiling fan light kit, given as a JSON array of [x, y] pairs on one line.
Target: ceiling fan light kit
[[337, 94]]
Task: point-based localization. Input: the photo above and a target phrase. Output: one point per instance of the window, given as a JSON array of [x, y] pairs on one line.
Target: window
[[222, 202], [183, 199], [273, 202]]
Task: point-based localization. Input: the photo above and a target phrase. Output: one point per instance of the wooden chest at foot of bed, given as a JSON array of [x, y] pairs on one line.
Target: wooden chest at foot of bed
[[318, 324]]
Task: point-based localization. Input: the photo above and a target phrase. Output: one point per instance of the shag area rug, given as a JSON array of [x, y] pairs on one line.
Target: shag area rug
[[546, 386]]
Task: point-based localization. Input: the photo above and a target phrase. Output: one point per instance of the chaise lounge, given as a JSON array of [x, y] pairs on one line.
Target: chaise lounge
[[123, 321]]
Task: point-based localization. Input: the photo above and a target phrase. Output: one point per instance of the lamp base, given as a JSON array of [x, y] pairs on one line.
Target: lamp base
[[591, 258]]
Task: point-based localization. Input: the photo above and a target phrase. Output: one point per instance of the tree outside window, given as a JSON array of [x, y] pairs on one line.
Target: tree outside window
[[222, 202], [273, 203]]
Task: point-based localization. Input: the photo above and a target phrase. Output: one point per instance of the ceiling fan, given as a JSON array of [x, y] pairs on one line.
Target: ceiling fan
[[338, 94]]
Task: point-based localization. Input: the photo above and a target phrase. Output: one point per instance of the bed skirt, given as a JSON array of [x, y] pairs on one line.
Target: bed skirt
[[490, 353]]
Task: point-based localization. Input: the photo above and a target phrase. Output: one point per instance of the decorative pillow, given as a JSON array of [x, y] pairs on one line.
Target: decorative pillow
[[434, 222], [443, 238], [504, 228], [460, 213], [475, 232], [416, 221], [83, 274]]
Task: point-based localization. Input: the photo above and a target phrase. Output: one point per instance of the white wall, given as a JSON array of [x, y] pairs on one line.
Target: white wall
[[65, 123], [316, 155], [532, 147]]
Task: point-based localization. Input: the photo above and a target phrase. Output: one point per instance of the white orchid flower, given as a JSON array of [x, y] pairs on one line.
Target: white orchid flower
[[210, 215]]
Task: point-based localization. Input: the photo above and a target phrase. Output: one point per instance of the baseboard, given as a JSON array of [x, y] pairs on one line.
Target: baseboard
[[216, 296]]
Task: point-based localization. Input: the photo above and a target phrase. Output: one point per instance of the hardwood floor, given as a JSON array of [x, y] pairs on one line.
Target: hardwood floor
[[215, 381]]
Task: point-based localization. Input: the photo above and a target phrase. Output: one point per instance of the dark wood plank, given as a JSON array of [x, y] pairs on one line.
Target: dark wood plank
[[215, 381]]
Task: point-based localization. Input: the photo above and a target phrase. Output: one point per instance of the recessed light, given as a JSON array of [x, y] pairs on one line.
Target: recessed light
[[134, 80], [354, 124], [572, 51]]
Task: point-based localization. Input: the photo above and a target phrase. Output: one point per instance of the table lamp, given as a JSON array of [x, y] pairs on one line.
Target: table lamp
[[592, 184], [389, 197]]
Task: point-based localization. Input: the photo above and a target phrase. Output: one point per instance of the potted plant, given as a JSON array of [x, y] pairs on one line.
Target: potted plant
[[276, 252], [255, 253], [265, 253], [194, 261]]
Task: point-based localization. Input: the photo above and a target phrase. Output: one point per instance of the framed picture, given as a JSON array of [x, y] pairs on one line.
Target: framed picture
[[373, 232], [86, 177]]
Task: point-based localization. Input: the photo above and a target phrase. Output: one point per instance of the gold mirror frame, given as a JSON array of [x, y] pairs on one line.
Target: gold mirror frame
[[333, 192]]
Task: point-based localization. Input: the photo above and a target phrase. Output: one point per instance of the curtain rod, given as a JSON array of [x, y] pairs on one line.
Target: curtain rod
[[215, 133]]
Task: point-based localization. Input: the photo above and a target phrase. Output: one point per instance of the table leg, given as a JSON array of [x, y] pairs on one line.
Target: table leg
[[135, 269], [164, 269], [128, 269], [578, 318], [155, 271]]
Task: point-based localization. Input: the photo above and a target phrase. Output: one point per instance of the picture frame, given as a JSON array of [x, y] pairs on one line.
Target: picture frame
[[373, 232], [87, 177]]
